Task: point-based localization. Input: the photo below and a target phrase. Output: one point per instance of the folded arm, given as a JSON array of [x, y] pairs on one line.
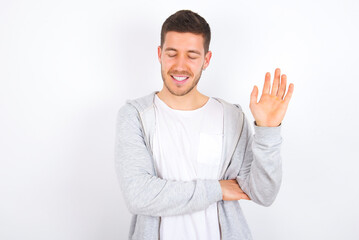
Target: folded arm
[[144, 192]]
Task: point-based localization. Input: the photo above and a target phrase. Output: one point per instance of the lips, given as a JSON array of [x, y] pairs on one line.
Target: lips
[[179, 78]]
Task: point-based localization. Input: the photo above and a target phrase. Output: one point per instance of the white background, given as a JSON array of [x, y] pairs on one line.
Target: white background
[[66, 67]]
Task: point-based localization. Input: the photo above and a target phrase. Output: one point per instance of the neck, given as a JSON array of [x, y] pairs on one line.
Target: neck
[[191, 101]]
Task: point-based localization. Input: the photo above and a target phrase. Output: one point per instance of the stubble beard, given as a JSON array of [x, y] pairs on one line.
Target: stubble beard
[[194, 84]]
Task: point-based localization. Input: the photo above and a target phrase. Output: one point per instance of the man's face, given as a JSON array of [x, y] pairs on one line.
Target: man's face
[[182, 60]]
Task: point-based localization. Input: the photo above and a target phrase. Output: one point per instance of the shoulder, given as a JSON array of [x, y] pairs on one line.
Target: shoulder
[[127, 109], [137, 105], [229, 106]]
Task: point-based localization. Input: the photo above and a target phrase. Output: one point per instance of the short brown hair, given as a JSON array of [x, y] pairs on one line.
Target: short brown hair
[[187, 21]]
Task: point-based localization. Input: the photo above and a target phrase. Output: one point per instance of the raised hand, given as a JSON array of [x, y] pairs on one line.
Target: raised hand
[[273, 104]]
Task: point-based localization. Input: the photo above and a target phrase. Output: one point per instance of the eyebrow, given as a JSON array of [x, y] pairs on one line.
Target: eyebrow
[[191, 51]]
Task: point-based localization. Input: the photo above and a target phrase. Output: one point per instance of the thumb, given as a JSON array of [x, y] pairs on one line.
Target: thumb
[[254, 95]]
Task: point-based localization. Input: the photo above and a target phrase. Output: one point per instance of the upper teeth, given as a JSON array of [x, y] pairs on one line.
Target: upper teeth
[[180, 78]]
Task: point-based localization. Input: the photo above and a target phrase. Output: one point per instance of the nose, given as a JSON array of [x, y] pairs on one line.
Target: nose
[[181, 64]]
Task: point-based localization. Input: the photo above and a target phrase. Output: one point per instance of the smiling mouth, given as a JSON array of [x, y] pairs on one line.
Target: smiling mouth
[[179, 78]]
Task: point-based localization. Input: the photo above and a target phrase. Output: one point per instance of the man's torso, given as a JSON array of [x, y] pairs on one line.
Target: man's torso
[[188, 145]]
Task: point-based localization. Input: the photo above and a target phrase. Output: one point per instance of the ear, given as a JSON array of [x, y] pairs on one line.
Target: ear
[[207, 59], [159, 53]]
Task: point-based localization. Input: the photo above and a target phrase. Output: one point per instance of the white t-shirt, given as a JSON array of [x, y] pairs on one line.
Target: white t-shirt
[[188, 145]]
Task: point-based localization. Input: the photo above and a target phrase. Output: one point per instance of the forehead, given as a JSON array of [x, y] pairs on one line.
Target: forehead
[[184, 41]]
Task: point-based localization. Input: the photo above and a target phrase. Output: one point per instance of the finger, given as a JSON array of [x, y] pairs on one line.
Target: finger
[[245, 197], [283, 86], [254, 96], [289, 93], [266, 86], [276, 81]]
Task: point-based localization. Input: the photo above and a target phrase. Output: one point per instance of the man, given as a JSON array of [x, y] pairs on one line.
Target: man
[[185, 159]]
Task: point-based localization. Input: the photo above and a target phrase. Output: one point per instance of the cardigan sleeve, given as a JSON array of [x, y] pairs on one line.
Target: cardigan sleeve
[[260, 175]]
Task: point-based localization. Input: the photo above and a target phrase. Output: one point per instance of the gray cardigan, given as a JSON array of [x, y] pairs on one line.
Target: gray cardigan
[[253, 160]]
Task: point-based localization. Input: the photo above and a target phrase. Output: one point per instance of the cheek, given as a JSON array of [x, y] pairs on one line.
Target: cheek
[[197, 67], [167, 63], [164, 65]]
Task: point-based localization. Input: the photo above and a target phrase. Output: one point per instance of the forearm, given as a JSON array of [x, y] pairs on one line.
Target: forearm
[[150, 195], [261, 172], [143, 191]]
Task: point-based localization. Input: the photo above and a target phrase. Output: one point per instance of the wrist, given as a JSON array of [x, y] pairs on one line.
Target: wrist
[[259, 124]]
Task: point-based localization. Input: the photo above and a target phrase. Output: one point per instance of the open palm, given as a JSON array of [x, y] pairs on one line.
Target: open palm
[[273, 104]]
